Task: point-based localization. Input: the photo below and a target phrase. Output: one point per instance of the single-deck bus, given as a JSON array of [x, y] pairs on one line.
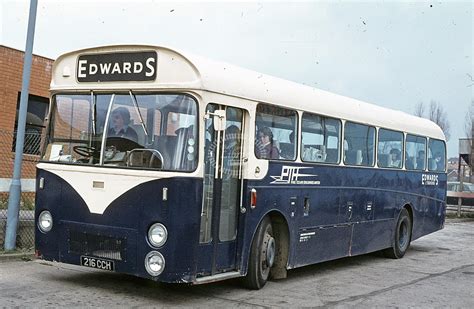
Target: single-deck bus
[[168, 166]]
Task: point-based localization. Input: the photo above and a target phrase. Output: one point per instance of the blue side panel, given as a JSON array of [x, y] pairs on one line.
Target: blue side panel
[[322, 244], [334, 211]]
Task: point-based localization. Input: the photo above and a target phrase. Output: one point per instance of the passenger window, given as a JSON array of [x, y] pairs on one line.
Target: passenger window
[[276, 129], [415, 153], [359, 141], [436, 156], [320, 139], [390, 149]]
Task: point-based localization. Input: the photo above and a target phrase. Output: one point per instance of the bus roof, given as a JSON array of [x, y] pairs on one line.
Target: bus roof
[[183, 70]]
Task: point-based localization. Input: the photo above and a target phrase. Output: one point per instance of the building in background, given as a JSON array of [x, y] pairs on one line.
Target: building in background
[[466, 159], [11, 68]]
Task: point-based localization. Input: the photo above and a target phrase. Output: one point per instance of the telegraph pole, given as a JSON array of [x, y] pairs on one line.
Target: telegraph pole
[[15, 188]]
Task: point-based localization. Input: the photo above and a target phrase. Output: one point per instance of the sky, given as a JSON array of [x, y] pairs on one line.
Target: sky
[[389, 53]]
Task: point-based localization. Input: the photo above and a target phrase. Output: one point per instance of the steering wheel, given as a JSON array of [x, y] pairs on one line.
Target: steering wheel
[[150, 158], [84, 151], [155, 154]]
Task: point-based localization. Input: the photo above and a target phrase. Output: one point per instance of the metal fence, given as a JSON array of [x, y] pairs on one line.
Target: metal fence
[[25, 232]]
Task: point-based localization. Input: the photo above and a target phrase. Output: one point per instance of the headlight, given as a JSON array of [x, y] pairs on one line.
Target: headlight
[[157, 235], [154, 263], [45, 221]]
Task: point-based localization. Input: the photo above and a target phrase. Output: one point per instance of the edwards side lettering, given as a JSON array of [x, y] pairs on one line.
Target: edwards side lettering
[[429, 180]]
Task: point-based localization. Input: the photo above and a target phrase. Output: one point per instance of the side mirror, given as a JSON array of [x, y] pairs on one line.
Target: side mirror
[[219, 120]]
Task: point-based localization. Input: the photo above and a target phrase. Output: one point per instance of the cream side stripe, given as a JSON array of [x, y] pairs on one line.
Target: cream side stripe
[[98, 199], [114, 171]]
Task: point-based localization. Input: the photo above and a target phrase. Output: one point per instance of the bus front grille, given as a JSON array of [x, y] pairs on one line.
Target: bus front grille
[[97, 245]]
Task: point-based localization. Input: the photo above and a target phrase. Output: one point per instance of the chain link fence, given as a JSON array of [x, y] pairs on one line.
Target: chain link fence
[[25, 232]]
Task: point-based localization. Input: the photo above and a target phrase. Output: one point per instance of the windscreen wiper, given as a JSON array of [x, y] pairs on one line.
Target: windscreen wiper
[[93, 114], [140, 118]]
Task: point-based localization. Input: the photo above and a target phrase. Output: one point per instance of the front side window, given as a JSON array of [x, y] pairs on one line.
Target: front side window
[[415, 153], [145, 131], [320, 139], [35, 117], [359, 141], [436, 156], [276, 130], [390, 149]]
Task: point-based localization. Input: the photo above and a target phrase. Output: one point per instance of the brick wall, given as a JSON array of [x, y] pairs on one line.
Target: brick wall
[[11, 68]]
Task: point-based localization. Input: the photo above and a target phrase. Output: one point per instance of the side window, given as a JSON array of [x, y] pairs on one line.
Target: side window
[[276, 130], [320, 139], [415, 153], [36, 113], [359, 141], [436, 156], [390, 149]]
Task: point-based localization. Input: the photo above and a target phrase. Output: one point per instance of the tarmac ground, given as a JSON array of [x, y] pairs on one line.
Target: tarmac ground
[[437, 271]]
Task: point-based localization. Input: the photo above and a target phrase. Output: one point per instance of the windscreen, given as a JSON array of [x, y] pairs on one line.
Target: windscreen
[[127, 130]]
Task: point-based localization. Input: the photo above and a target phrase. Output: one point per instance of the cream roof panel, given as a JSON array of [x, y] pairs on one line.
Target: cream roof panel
[[225, 78], [184, 70], [173, 70]]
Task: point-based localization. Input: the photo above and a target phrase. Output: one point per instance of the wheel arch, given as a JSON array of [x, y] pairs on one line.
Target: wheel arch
[[283, 235], [396, 250], [409, 208]]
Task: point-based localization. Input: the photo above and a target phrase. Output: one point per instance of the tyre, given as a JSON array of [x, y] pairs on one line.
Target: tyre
[[262, 256], [402, 236]]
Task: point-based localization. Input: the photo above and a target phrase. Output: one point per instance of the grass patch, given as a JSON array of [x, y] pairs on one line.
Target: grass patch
[[26, 202], [454, 215]]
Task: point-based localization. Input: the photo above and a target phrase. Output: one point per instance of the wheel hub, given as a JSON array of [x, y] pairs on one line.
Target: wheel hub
[[270, 251], [403, 234]]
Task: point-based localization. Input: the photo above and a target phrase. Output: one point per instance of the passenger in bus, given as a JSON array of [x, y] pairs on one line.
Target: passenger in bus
[[291, 137], [420, 160], [409, 164], [265, 147], [395, 158], [287, 150], [232, 152], [439, 162], [120, 125]]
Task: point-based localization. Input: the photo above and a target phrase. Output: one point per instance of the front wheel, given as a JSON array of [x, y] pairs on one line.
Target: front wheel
[[402, 236], [262, 256]]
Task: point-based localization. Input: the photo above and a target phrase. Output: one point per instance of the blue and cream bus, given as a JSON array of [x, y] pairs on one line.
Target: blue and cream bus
[[168, 166]]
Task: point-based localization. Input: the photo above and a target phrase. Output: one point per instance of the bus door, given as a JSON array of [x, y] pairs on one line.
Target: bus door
[[221, 189]]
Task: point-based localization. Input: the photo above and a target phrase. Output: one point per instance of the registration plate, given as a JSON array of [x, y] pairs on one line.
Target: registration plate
[[97, 263]]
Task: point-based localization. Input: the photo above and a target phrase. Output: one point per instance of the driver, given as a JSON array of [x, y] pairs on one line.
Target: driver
[[120, 122]]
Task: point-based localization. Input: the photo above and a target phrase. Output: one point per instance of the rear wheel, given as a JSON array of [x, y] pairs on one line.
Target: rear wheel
[[262, 256], [402, 236]]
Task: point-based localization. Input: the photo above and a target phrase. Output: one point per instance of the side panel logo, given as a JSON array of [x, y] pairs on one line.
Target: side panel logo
[[429, 180], [293, 175]]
